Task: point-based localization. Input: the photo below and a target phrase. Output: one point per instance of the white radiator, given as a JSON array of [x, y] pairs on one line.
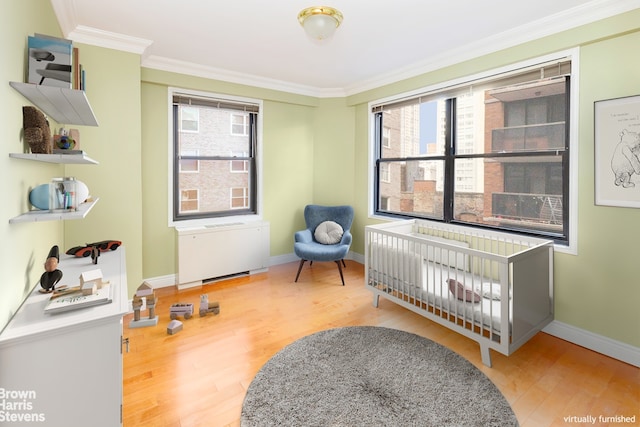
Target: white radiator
[[210, 252]]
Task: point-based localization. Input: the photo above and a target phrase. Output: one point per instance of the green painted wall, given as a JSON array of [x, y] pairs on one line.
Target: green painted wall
[[314, 151], [599, 289], [113, 89], [158, 239], [289, 164], [334, 153], [24, 246]]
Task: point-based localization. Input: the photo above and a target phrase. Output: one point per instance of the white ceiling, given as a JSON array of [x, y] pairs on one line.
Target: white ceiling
[[261, 43]]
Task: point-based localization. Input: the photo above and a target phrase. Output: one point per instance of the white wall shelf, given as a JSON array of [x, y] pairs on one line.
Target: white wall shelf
[[65, 106], [80, 158], [42, 215]]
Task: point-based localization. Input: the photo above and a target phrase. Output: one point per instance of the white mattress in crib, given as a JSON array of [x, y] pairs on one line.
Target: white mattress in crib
[[430, 286]]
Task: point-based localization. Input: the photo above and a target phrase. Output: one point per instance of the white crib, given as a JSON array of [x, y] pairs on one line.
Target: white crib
[[495, 288]]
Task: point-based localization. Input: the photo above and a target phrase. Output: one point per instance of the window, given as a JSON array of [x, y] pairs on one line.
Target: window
[[386, 136], [189, 119], [490, 151], [385, 175], [189, 200], [240, 124], [239, 166], [215, 157], [239, 197], [188, 161]]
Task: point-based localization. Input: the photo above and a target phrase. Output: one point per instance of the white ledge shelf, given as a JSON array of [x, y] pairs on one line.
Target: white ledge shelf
[[79, 159], [39, 216], [64, 105]]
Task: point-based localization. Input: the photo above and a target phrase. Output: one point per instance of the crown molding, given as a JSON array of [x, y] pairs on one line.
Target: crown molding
[[199, 70], [65, 13], [109, 40]]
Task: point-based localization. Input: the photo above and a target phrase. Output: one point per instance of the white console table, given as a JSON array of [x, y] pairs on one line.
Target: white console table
[[65, 369]]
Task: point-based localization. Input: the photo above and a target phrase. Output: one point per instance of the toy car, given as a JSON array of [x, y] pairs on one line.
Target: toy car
[[208, 307], [85, 251], [181, 309], [80, 251], [107, 245]]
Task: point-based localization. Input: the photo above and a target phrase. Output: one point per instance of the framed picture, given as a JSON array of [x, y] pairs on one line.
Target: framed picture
[[617, 152], [49, 61]]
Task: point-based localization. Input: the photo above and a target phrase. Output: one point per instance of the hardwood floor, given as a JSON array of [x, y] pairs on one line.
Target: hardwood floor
[[199, 376]]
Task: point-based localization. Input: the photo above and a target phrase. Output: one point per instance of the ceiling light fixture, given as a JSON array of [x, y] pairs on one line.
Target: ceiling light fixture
[[320, 22]]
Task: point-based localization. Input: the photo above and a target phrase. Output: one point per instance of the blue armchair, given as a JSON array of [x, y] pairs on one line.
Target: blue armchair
[[308, 248]]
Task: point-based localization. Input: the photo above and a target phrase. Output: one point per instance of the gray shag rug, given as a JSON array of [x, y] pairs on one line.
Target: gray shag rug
[[372, 376]]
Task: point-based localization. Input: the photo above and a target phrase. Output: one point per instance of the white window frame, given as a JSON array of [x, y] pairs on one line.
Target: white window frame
[[197, 120], [386, 174], [245, 198], [245, 124], [574, 55], [197, 199], [386, 137], [190, 153], [245, 167]]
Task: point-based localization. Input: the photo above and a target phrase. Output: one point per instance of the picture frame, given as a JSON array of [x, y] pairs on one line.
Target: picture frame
[[49, 61], [617, 151]]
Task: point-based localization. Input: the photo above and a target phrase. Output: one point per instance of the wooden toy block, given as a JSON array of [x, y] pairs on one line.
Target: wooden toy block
[[174, 327]]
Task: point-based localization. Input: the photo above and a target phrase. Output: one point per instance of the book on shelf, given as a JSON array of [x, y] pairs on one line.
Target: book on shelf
[[83, 78], [75, 63], [72, 298]]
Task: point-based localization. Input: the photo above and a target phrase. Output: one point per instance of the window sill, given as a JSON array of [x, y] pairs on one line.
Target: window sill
[[213, 222]]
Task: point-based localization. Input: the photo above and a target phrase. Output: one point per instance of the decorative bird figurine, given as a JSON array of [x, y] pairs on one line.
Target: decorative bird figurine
[[51, 275]]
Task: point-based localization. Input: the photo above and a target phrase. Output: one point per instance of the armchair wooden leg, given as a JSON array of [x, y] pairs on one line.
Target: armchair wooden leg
[[340, 269], [300, 268], [343, 264]]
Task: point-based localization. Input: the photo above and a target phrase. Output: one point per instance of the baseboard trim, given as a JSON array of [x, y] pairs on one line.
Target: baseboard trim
[[162, 281], [359, 258], [291, 257], [598, 343], [283, 259]]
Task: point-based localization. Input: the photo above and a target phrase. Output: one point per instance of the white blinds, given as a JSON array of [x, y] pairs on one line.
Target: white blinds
[[190, 100], [522, 76]]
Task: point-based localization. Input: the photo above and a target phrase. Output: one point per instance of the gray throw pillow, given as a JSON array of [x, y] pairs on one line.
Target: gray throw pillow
[[328, 233]]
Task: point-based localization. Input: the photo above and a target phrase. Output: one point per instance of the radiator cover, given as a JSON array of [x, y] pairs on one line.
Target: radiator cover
[[210, 252]]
